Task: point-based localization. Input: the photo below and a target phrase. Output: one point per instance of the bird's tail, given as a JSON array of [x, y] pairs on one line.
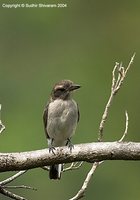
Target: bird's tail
[[55, 171]]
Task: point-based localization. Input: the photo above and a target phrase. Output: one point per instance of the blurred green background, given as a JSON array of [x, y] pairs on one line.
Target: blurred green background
[[82, 42]]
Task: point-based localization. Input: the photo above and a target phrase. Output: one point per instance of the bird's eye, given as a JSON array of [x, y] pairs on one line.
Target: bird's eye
[[61, 89], [58, 92]]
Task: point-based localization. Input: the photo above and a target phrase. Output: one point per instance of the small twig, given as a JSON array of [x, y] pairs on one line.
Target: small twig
[[19, 186], [2, 127], [73, 166], [104, 117], [10, 179], [113, 76], [130, 63], [116, 85], [124, 73], [126, 127], [46, 168], [120, 71], [69, 168], [11, 195], [81, 192]]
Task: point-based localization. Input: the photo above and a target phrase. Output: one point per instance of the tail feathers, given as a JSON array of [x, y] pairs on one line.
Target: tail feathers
[[55, 171]]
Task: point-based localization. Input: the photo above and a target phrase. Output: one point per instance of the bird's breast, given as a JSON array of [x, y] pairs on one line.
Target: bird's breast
[[62, 109], [62, 119]]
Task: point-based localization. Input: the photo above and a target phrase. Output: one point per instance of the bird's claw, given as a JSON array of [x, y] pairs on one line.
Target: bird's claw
[[50, 145], [52, 150], [70, 145]]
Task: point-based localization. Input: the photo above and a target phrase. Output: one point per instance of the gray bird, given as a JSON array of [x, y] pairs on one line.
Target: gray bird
[[60, 118]]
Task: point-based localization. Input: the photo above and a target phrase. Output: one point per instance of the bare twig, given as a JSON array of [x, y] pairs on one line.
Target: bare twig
[[19, 187], [2, 127], [73, 166], [126, 127], [10, 179], [47, 168], [116, 85], [11, 195], [81, 192], [113, 76]]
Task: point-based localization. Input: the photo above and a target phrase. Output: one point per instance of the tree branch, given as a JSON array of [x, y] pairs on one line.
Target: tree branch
[[11, 194], [81, 192], [116, 85], [10, 179], [89, 152]]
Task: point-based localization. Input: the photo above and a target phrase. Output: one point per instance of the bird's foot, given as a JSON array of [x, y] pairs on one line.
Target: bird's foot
[[52, 150], [51, 147], [69, 144]]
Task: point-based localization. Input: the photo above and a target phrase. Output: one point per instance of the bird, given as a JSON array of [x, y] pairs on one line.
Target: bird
[[60, 118]]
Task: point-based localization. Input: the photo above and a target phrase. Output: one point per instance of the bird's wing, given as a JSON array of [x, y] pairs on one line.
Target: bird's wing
[[45, 119], [78, 113]]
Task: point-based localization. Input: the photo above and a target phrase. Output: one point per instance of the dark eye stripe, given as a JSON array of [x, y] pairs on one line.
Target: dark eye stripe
[[61, 89]]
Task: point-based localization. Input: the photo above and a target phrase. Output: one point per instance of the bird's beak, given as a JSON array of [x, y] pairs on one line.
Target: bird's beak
[[74, 87]]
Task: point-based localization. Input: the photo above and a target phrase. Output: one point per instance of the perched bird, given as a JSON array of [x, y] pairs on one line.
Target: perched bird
[[60, 118]]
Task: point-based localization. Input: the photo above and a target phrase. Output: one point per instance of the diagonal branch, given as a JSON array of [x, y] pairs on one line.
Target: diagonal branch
[[81, 192], [19, 187], [116, 85], [11, 195], [7, 193], [10, 179]]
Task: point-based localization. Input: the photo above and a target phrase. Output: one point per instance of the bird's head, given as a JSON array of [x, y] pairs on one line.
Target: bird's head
[[63, 89]]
